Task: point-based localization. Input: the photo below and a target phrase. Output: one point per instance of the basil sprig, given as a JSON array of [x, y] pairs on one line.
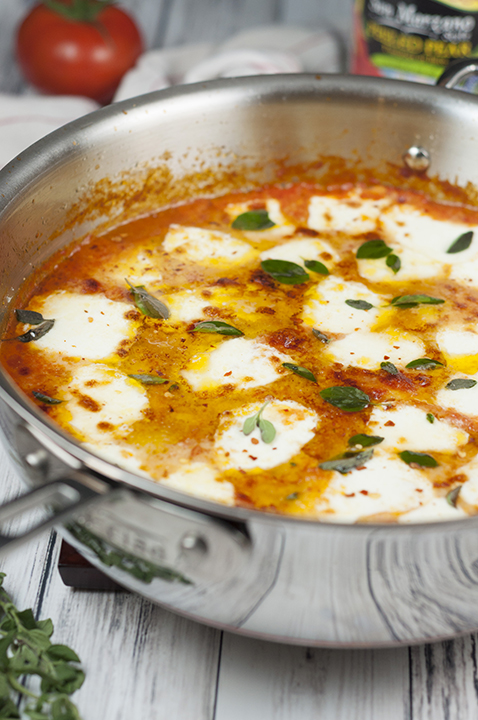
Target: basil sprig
[[424, 364], [299, 370], [316, 267], [149, 379], [394, 263], [418, 458], [29, 317], [347, 462], [253, 220], [268, 431], [452, 496], [45, 398], [320, 336], [389, 367], [148, 304], [373, 250], [359, 304], [408, 301], [346, 398], [462, 242], [216, 326], [460, 384], [285, 272], [365, 440], [36, 332]]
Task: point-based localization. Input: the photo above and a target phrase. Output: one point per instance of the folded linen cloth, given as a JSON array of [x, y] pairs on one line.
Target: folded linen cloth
[[264, 50]]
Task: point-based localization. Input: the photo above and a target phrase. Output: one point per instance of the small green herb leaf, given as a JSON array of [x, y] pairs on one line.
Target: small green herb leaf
[[462, 242], [268, 431], [299, 370], [394, 263], [37, 332], [149, 379], [424, 364], [373, 250], [389, 367], [250, 424], [346, 398], [365, 440], [408, 301], [148, 304], [29, 317], [359, 304], [292, 496], [418, 458], [316, 267], [285, 272], [430, 418], [216, 326], [320, 336], [253, 220], [460, 384], [452, 496], [347, 462], [45, 398]]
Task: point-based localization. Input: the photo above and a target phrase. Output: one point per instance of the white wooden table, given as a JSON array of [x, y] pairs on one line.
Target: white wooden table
[[144, 663]]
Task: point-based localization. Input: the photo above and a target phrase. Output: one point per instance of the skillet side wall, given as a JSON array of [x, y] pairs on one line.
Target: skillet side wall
[[298, 582]]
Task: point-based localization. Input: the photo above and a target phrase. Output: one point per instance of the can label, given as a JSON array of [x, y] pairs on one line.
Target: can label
[[413, 40]]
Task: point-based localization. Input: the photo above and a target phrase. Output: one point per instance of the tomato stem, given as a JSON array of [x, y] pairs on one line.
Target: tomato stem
[[78, 10]]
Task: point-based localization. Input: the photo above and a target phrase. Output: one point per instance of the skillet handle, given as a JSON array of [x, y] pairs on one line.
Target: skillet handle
[[63, 497], [456, 72]]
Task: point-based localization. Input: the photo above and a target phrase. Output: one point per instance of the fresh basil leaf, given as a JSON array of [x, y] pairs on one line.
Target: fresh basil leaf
[[418, 458], [365, 440], [253, 220], [430, 418], [407, 301], [299, 370], [316, 267], [62, 652], [268, 431], [320, 335], [460, 384], [347, 462], [30, 317], [45, 398], [373, 250], [346, 398], [285, 272], [292, 496], [216, 326], [37, 332], [147, 304], [462, 242], [424, 364], [389, 367], [452, 496], [394, 263], [359, 304], [149, 379]]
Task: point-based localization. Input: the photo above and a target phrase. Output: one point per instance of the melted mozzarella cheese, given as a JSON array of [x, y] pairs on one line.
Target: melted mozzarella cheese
[[460, 348], [102, 401], [353, 215], [294, 425], [209, 247], [325, 306], [414, 266], [282, 226], [124, 456], [467, 273], [410, 430], [200, 480], [141, 268], [87, 326], [437, 509], [187, 305], [368, 349], [385, 485], [463, 401], [469, 489], [297, 251], [240, 362]]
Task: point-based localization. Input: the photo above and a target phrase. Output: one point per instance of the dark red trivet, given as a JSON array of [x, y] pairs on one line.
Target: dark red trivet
[[77, 572]]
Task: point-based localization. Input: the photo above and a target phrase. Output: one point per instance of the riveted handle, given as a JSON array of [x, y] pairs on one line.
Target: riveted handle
[[458, 71]]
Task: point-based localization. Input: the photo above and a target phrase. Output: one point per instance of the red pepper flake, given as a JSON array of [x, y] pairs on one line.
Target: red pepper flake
[[418, 490], [228, 373], [252, 457], [254, 441], [386, 357], [364, 492], [390, 424], [349, 494]]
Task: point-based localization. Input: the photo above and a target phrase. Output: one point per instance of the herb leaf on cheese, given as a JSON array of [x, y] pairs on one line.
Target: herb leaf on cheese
[[365, 440], [424, 364], [320, 335], [359, 304], [316, 267], [347, 462], [45, 398], [36, 332], [460, 384], [148, 304], [462, 242], [345, 397], [268, 431], [373, 250], [394, 263], [389, 367], [253, 220], [149, 379], [452, 496], [418, 458], [408, 301], [216, 326], [29, 317], [285, 272], [430, 418], [299, 370]]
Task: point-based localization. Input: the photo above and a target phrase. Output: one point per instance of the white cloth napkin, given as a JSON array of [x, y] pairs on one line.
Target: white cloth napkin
[[264, 50]]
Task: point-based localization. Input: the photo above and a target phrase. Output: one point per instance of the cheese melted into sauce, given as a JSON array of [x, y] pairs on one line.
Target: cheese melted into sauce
[[200, 428]]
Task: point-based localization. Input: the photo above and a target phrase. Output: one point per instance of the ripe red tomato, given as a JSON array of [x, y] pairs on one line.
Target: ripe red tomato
[[64, 56]]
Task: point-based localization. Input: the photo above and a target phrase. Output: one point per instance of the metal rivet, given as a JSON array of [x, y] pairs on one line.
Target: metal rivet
[[417, 158], [191, 541], [37, 459]]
